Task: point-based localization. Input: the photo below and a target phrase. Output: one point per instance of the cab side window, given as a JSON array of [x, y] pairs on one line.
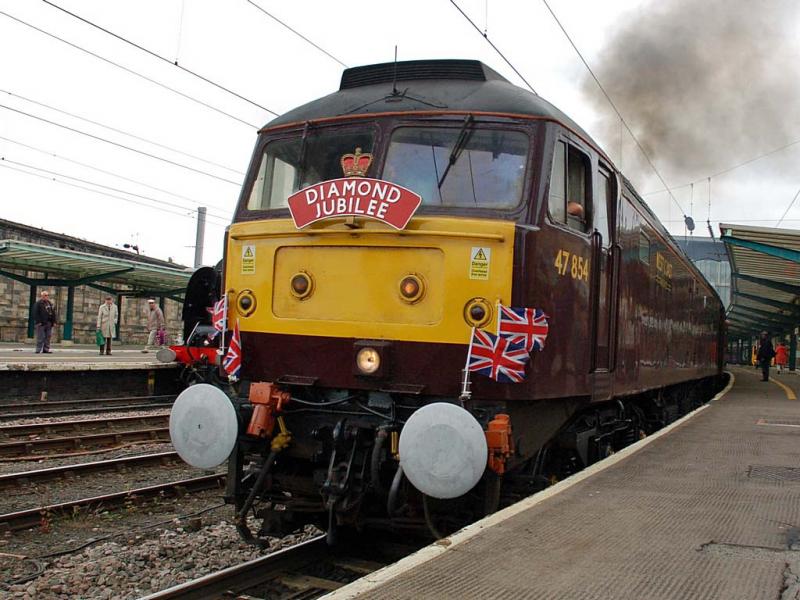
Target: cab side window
[[570, 188], [605, 194]]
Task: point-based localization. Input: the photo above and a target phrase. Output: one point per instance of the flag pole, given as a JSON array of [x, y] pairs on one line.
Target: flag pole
[[466, 393], [221, 350]]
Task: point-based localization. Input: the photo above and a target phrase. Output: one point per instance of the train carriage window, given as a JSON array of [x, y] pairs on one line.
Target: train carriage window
[[644, 248], [570, 188], [281, 173], [467, 167]]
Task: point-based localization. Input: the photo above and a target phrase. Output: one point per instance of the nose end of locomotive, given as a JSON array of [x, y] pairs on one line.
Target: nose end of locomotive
[[443, 450], [203, 426]]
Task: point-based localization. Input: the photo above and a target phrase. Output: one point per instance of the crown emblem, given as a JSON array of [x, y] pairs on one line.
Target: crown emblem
[[356, 165]]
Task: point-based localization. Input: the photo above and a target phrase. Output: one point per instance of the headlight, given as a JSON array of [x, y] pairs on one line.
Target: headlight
[[411, 288], [368, 360], [301, 285]]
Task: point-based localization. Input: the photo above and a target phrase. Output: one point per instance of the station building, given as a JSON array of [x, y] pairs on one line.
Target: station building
[[79, 275]]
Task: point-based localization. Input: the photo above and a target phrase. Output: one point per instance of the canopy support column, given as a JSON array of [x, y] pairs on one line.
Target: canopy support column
[[792, 350], [67, 338], [31, 306]]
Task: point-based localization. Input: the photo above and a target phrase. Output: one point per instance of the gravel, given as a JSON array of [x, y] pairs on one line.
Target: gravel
[[90, 485], [92, 417], [15, 465], [146, 563]]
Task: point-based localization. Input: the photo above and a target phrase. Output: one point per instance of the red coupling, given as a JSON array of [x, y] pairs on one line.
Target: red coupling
[[499, 442], [268, 401]]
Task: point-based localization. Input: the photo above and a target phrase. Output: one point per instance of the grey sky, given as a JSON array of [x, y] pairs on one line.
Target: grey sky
[[235, 45]]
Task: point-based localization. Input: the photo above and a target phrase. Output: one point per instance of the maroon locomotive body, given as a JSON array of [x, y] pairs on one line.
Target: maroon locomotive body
[[350, 326]]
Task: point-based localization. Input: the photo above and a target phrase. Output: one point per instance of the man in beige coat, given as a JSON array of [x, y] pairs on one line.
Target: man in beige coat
[[107, 317], [155, 323]]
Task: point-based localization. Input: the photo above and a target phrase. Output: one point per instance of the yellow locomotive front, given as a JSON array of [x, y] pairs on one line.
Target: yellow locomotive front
[[365, 250]]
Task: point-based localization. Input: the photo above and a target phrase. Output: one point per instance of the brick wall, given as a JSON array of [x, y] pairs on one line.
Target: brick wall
[[15, 296]]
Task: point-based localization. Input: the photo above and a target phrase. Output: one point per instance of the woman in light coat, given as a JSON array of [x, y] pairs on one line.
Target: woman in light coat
[[107, 317]]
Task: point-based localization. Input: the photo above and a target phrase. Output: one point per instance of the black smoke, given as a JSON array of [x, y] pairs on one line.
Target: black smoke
[[702, 83]]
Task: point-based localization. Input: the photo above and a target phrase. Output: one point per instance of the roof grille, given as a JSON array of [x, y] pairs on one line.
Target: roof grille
[[470, 70]]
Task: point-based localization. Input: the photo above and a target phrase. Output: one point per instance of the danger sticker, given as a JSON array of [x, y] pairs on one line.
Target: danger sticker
[[248, 260], [479, 263]]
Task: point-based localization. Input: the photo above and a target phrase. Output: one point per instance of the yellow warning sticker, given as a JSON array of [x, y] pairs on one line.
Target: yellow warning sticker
[[479, 263], [248, 260]]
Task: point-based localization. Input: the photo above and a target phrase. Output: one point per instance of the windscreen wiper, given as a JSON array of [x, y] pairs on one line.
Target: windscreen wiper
[[461, 142]]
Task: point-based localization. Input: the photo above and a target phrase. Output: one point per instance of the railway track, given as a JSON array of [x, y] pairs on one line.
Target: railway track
[[12, 480], [41, 515], [41, 447], [60, 408], [307, 570], [58, 427]]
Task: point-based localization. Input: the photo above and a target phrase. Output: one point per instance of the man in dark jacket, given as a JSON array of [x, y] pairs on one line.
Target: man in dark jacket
[[44, 316], [765, 354]]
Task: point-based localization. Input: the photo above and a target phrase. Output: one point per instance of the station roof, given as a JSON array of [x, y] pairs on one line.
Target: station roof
[[765, 273], [70, 267]]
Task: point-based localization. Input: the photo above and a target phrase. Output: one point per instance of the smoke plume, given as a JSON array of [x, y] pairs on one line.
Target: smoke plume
[[702, 83]]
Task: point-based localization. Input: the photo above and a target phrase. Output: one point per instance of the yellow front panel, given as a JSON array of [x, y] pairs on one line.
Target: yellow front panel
[[357, 273], [358, 283]]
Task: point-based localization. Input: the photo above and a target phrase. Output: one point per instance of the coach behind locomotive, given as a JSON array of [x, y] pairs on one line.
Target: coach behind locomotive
[[383, 234]]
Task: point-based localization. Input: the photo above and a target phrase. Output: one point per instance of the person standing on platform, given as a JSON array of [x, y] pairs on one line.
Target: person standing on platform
[[155, 324], [765, 355], [44, 317], [781, 357], [107, 317]]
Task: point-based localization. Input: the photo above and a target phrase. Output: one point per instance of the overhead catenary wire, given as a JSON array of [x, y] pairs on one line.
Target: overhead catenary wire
[[111, 173], [108, 187], [495, 48], [788, 208], [616, 110], [297, 33], [123, 132], [188, 215], [107, 141], [131, 71], [159, 57], [728, 169]]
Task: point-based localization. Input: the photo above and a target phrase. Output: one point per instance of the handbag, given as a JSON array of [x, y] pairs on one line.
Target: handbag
[[99, 338]]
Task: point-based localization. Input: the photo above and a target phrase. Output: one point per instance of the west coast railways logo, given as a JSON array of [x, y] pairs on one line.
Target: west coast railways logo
[[354, 197]]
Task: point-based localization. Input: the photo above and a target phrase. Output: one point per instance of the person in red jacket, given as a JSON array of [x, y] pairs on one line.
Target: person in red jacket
[[781, 357]]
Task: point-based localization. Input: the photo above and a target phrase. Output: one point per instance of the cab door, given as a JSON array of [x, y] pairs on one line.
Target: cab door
[[603, 280]]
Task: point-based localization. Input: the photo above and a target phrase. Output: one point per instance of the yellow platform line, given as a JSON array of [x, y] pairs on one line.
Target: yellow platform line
[[789, 391]]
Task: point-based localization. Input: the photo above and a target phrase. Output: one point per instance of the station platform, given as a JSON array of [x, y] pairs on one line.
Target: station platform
[[22, 357], [74, 372], [708, 507]]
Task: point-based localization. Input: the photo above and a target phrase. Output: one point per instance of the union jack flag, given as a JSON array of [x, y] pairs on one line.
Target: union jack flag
[[526, 326], [497, 357], [219, 314], [232, 362]]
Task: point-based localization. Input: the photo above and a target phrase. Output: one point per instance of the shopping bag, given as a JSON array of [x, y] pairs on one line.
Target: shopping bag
[[99, 338], [161, 337]]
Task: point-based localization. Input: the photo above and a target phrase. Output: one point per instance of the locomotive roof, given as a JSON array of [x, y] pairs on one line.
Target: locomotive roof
[[426, 85]]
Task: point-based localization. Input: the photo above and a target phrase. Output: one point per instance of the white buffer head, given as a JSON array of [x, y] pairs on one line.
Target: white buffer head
[[203, 426], [443, 450]]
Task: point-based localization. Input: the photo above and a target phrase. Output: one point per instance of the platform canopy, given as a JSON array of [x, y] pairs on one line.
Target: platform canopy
[[765, 286], [80, 268], [69, 268]]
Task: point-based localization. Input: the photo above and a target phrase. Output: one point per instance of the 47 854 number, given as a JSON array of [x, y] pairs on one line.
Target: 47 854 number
[[576, 266]]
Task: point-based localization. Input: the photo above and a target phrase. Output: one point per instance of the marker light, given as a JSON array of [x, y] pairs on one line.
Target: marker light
[[368, 360], [246, 302], [302, 285], [411, 288], [477, 312]]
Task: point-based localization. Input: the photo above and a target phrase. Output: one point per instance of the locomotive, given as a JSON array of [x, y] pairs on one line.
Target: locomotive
[[378, 229]]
